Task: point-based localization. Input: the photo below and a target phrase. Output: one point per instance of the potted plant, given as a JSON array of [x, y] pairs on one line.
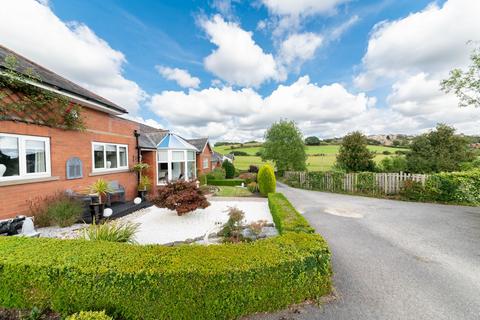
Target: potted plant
[[143, 186], [98, 192], [143, 181]]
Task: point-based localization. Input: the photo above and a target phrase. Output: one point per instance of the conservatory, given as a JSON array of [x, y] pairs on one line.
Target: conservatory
[[176, 160]]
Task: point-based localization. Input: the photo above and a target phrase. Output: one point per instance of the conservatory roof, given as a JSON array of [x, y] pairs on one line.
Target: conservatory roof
[[172, 141]]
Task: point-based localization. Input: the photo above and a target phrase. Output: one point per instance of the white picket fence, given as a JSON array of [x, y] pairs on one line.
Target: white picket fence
[[384, 183]]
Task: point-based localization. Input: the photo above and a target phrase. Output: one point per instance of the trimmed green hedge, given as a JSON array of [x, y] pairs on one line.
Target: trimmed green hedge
[[158, 282], [285, 216], [226, 182], [89, 315]]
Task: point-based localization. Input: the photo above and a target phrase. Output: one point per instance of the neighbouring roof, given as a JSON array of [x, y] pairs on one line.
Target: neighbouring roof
[[54, 81], [198, 143], [217, 157]]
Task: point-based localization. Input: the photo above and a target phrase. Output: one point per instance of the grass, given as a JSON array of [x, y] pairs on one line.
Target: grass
[[225, 191]]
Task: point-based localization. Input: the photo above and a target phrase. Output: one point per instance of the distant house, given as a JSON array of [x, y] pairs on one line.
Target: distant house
[[218, 159]]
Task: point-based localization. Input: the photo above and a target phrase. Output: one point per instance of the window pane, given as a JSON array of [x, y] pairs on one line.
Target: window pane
[[162, 172], [191, 169], [35, 154], [162, 156], [205, 163], [178, 156], [9, 161], [178, 171], [98, 156], [191, 155], [111, 156], [123, 156]]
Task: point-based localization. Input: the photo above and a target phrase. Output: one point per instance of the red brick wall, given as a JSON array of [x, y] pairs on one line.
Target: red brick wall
[[150, 157], [100, 127], [206, 153]]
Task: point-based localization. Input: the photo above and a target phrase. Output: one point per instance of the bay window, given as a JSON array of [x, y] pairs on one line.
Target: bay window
[[175, 165], [24, 157], [109, 156]]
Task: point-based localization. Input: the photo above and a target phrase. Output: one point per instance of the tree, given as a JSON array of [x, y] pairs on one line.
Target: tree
[[354, 155], [438, 150], [393, 164], [181, 196], [229, 169], [285, 147], [312, 141], [465, 84]]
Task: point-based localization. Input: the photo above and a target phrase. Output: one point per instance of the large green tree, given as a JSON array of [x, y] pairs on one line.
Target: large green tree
[[285, 147], [465, 83], [312, 141], [438, 150], [354, 155]]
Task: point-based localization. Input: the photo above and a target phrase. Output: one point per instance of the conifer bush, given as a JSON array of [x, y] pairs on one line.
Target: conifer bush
[[266, 180]]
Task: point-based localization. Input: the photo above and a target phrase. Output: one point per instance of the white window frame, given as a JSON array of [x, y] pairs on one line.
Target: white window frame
[[22, 156], [104, 145], [206, 163], [170, 161]]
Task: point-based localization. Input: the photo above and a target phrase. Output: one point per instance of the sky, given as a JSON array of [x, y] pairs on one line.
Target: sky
[[228, 69]]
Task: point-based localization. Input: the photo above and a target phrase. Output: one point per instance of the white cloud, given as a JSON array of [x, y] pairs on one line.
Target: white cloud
[[432, 41], [181, 76], [299, 47], [238, 59], [72, 50], [302, 7]]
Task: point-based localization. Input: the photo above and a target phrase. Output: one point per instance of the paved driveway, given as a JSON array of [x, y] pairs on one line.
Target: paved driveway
[[394, 259]]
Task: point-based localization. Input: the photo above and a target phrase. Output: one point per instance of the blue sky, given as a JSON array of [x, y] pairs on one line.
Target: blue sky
[[227, 69]]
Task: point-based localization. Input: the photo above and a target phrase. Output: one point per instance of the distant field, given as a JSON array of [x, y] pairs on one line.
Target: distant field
[[329, 149], [314, 163]]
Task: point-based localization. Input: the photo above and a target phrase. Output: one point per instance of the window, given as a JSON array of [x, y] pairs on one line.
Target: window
[[162, 159], [109, 156], [205, 163], [23, 157], [74, 168], [175, 165]]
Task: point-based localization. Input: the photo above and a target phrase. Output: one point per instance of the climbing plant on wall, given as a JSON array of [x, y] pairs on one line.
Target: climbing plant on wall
[[22, 100]]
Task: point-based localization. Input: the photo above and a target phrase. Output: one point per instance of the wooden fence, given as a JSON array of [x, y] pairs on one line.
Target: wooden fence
[[364, 182]]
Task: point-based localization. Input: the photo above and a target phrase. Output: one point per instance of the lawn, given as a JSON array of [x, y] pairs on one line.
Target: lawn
[[225, 191]]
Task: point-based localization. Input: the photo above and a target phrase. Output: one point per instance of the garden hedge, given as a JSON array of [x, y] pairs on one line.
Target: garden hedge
[[158, 282], [285, 216], [226, 182]]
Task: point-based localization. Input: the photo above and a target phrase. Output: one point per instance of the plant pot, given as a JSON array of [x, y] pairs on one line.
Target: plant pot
[[142, 194], [96, 211], [94, 198]]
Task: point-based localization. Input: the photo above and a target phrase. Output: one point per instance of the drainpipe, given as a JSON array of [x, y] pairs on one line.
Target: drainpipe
[[136, 134]]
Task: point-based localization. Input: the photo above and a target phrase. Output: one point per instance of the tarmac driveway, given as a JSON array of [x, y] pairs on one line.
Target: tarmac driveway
[[394, 259]]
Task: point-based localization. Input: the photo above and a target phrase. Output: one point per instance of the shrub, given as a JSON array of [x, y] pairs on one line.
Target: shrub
[[232, 230], [240, 153], [256, 227], [413, 190], [386, 152], [112, 231], [229, 169], [202, 179], [58, 209], [253, 169], [156, 282], [266, 180], [226, 182], [393, 164], [181, 196], [216, 174], [248, 177], [354, 155], [252, 187], [89, 315], [285, 216]]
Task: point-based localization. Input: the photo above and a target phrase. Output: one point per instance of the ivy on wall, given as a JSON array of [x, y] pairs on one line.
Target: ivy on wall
[[22, 101]]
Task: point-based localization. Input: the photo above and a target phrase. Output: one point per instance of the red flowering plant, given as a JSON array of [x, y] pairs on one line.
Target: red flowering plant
[[181, 196]]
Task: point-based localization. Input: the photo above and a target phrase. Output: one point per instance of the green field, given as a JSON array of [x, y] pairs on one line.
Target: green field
[[321, 158]]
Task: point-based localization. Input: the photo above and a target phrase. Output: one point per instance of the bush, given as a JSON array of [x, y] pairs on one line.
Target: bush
[[232, 230], [248, 177], [253, 169], [202, 179], [285, 216], [226, 182], [240, 153], [181, 196], [393, 164], [58, 209], [386, 152], [216, 174], [229, 169], [112, 231], [252, 187], [89, 315], [266, 180], [157, 282]]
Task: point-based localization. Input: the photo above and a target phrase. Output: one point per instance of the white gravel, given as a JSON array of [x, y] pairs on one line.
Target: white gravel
[[160, 226]]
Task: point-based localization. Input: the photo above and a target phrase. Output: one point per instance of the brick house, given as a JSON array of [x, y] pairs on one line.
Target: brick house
[[37, 160]]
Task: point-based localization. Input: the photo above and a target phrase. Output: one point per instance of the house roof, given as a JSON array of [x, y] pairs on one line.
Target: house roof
[[217, 157], [198, 143], [150, 137], [172, 141], [53, 81]]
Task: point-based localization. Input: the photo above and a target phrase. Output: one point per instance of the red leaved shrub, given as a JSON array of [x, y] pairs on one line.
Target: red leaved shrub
[[181, 196]]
